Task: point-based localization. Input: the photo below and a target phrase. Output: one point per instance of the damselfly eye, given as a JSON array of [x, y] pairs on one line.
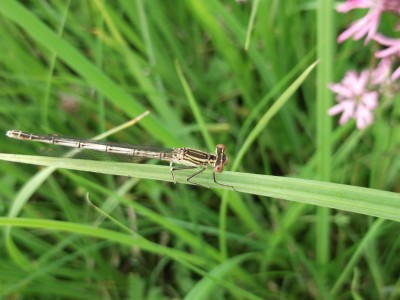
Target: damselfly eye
[[218, 169], [226, 160], [221, 146]]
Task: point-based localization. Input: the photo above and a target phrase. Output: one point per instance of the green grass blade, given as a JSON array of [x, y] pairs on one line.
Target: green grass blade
[[71, 56], [195, 108], [324, 122], [122, 238], [339, 196], [251, 24], [357, 255], [205, 287], [274, 109]]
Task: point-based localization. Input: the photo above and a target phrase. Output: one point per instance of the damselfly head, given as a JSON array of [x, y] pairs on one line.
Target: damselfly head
[[222, 158]]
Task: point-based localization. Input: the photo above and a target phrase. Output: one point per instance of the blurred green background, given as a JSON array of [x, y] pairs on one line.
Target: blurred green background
[[79, 68]]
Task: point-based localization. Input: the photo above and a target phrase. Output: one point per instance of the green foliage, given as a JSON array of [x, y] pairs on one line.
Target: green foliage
[[210, 72]]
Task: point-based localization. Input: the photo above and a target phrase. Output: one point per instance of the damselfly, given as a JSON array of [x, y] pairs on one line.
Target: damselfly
[[187, 157]]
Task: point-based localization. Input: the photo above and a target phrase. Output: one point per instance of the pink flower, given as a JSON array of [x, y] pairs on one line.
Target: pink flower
[[388, 5], [367, 25], [354, 100], [393, 49], [381, 75]]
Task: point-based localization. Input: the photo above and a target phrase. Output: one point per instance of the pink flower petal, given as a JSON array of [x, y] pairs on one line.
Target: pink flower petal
[[392, 5], [340, 90], [350, 77], [370, 100], [382, 71], [352, 4], [360, 83], [351, 31], [396, 74], [334, 110], [363, 118], [387, 52], [348, 111], [346, 116], [383, 40], [373, 27]]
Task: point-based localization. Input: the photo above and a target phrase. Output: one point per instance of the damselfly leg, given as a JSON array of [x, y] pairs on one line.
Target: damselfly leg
[[201, 170]]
